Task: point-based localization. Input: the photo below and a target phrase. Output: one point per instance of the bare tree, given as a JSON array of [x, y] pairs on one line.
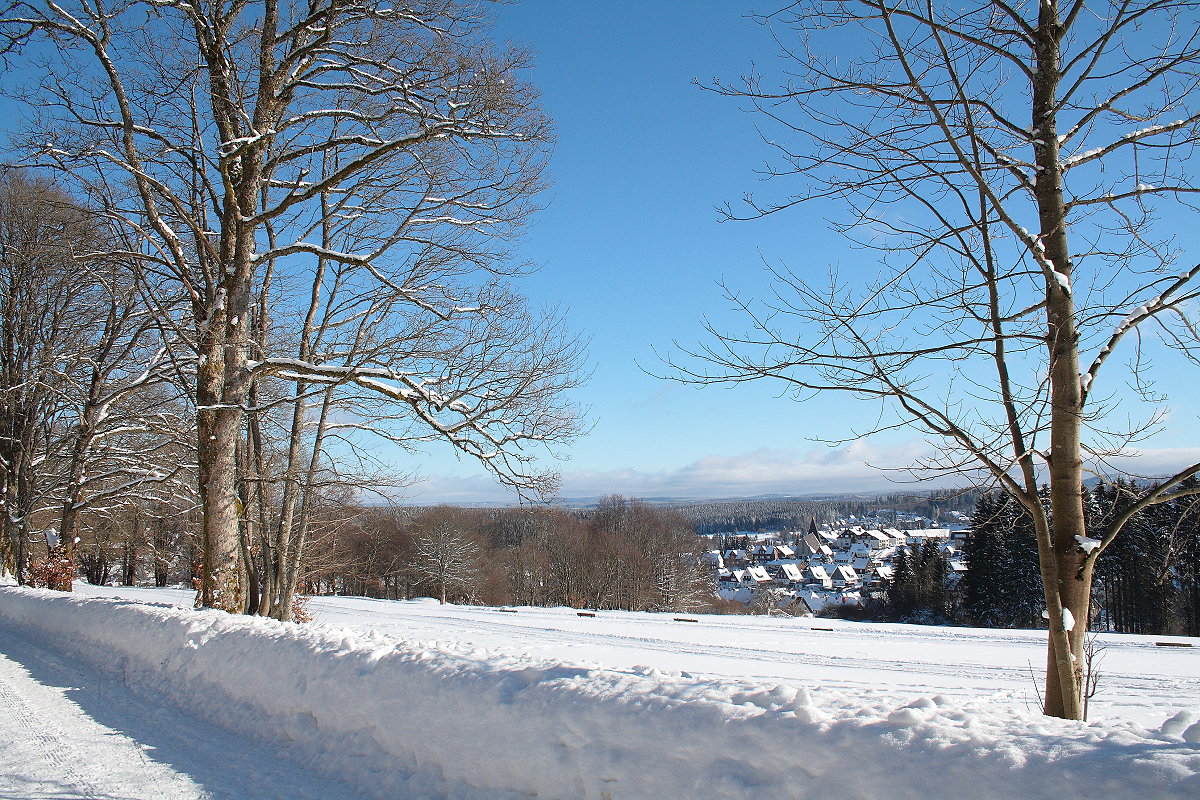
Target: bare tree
[[445, 554], [38, 294], [231, 136], [86, 403], [121, 432], [1000, 164]]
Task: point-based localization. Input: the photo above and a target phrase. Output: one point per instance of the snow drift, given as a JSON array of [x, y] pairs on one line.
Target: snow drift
[[410, 718]]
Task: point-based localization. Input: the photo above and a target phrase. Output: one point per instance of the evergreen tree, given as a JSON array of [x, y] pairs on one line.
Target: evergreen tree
[[1002, 586], [930, 572], [1024, 599], [985, 583], [900, 593], [1187, 565]]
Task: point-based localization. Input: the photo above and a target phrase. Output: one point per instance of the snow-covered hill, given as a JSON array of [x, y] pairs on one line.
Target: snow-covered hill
[[410, 699]]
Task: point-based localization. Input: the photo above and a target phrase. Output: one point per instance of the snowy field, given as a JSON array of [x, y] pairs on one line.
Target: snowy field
[[407, 700], [1140, 681]]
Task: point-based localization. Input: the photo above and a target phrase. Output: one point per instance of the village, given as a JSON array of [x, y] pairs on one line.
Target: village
[[842, 565]]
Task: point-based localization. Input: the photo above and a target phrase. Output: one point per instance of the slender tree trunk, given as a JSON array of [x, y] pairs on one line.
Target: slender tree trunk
[[300, 521], [1066, 579]]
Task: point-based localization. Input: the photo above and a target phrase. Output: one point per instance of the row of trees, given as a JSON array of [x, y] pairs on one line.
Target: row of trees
[[625, 555], [90, 417], [1147, 582], [291, 221]]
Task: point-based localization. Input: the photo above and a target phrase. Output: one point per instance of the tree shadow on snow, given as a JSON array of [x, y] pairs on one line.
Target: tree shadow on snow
[[226, 765]]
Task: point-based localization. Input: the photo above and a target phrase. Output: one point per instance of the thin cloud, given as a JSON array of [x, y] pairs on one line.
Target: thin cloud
[[858, 467], [762, 471]]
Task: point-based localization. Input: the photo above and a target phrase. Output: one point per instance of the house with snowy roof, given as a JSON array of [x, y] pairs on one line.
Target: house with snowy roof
[[818, 575], [789, 576], [862, 548], [736, 559], [844, 576], [876, 540], [758, 575], [783, 552], [814, 548], [933, 534]]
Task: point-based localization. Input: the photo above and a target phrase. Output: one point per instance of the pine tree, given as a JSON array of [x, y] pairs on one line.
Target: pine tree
[[900, 593], [1002, 586], [1023, 598], [1187, 565], [985, 582]]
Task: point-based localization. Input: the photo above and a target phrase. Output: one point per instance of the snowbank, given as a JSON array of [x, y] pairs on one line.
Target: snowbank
[[396, 717]]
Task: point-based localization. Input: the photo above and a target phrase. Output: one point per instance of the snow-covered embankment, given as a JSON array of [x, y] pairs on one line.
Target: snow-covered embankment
[[397, 717]]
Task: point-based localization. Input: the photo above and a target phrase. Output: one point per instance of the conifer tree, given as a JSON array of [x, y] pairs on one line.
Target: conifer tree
[[900, 590], [1001, 588]]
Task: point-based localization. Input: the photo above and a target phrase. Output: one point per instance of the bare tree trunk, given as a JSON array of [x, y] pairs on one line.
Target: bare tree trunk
[[72, 500], [218, 426], [1064, 584], [301, 519]]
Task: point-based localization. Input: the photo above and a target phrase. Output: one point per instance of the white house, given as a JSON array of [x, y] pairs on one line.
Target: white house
[[789, 576], [844, 576], [818, 575]]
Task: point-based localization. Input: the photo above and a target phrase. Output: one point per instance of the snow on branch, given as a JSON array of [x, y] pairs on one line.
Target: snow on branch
[[1168, 299], [1097, 153]]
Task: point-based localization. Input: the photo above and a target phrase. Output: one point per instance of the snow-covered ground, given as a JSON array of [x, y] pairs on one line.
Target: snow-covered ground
[[70, 731], [416, 699], [1140, 681]]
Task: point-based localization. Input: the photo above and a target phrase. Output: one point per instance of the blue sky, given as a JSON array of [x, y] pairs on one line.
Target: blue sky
[[631, 248]]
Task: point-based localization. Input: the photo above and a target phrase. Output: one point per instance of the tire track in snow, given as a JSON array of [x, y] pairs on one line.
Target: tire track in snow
[[67, 732], [37, 749]]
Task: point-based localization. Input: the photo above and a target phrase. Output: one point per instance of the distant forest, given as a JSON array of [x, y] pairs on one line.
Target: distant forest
[[727, 516]]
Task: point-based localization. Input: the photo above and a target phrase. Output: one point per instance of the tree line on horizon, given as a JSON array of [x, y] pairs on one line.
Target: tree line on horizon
[[728, 516], [622, 555]]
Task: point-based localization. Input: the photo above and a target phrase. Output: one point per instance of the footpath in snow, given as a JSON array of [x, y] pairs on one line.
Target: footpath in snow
[[68, 730], [395, 717]]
